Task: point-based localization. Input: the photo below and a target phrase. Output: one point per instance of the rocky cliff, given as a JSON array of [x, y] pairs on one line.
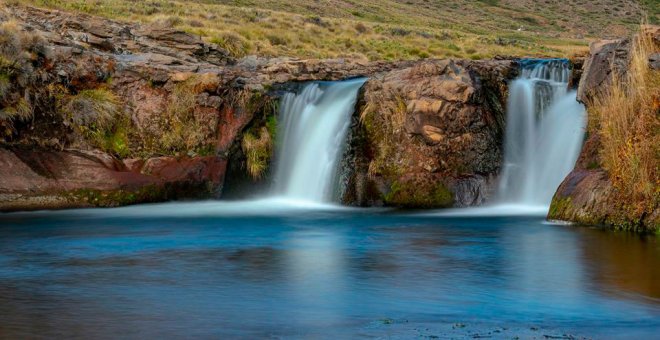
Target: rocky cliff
[[102, 113], [593, 194]]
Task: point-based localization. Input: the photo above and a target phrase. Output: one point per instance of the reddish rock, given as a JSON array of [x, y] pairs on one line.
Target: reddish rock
[[40, 179]]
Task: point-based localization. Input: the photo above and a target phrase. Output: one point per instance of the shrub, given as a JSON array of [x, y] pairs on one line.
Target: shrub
[[361, 28], [277, 40], [19, 51]]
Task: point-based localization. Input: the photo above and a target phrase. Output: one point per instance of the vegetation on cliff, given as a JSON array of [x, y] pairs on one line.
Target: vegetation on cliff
[[258, 150], [382, 30], [626, 117], [20, 52]]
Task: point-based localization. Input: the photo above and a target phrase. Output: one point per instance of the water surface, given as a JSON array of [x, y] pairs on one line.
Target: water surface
[[218, 270]]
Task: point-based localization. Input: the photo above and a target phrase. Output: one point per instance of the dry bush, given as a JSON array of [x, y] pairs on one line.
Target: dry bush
[[182, 128], [627, 118]]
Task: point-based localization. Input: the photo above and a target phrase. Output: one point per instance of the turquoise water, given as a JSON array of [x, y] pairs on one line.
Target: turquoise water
[[262, 270]]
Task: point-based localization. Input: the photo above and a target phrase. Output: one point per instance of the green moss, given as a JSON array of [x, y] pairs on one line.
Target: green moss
[[558, 207], [113, 139], [593, 165], [413, 194], [116, 198]]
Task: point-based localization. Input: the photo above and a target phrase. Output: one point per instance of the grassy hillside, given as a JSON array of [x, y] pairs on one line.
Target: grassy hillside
[[383, 29]]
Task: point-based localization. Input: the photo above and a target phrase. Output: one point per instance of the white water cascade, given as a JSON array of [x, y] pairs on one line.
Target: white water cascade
[[544, 134], [313, 129]]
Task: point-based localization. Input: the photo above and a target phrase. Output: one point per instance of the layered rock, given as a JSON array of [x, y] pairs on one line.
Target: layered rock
[[45, 179], [429, 135]]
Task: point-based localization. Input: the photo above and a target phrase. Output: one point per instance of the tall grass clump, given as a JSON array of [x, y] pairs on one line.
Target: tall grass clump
[[97, 116], [257, 151], [626, 117], [20, 51], [93, 109]]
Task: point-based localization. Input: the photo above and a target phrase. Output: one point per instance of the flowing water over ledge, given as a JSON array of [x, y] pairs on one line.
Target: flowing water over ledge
[[272, 268]]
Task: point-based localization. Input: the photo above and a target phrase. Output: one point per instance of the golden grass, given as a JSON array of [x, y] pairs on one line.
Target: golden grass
[[182, 129], [257, 152], [373, 30], [626, 116], [96, 109], [19, 50]]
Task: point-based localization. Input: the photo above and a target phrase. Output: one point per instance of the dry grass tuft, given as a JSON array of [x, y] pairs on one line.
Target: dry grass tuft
[[257, 151], [93, 109], [185, 130], [626, 116], [19, 52]]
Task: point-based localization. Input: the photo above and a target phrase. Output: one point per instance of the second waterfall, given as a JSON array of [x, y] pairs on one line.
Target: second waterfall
[[545, 129], [313, 129]]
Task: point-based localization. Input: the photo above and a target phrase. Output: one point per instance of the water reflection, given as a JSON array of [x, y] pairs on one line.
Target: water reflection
[[321, 275], [316, 272], [623, 264]]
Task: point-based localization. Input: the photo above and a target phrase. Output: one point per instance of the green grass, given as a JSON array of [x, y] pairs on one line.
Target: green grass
[[381, 29]]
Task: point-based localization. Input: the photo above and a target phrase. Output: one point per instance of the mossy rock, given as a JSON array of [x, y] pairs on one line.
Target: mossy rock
[[418, 193]]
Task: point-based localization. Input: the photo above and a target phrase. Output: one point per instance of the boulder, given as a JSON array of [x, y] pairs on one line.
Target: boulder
[[429, 135]]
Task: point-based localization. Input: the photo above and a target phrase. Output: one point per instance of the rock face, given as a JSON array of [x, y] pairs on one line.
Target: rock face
[[587, 195], [429, 135], [175, 108], [606, 56]]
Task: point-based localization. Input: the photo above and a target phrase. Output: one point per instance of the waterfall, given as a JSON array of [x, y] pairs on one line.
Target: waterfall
[[312, 133], [545, 129]]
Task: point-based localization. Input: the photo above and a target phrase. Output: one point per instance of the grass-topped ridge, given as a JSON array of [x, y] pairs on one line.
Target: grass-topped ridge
[[382, 29]]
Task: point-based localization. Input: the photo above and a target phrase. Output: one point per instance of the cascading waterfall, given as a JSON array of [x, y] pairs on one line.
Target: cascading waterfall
[[545, 129], [313, 129]]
